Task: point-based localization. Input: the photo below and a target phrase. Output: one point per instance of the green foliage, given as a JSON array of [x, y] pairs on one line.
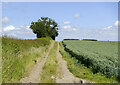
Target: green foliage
[[19, 55], [101, 56], [45, 27], [0, 60], [81, 71]]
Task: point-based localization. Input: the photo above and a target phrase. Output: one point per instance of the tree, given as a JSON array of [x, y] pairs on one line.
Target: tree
[[45, 27]]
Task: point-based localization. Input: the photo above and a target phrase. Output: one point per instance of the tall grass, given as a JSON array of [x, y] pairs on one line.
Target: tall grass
[[18, 56], [81, 71], [0, 60], [50, 68]]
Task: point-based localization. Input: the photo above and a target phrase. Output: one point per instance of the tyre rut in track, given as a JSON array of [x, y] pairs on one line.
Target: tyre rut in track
[[66, 75], [34, 76]]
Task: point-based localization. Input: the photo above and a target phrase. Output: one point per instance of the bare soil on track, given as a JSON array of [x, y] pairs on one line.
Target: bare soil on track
[[34, 76], [65, 75]]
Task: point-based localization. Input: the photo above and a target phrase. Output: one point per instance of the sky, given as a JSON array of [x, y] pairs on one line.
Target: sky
[[91, 20]]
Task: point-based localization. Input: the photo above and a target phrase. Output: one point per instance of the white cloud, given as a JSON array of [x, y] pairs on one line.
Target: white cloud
[[108, 28], [117, 23], [22, 32], [21, 29], [74, 29], [17, 28], [76, 15], [107, 33], [66, 22], [25, 27], [115, 26], [70, 28], [82, 33], [67, 27], [8, 28], [5, 20]]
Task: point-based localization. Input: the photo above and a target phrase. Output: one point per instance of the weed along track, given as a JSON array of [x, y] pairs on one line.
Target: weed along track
[[50, 69], [65, 76], [34, 75]]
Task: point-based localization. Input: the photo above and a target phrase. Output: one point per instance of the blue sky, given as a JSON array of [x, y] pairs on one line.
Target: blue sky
[[98, 20]]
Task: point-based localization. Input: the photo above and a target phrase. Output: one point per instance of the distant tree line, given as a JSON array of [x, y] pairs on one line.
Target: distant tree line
[[83, 39], [70, 39], [89, 39]]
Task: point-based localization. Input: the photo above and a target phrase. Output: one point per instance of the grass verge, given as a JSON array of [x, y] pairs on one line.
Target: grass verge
[[80, 71], [0, 60], [50, 68], [18, 56]]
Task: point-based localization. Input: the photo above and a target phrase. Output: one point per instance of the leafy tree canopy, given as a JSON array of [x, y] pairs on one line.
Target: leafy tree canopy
[[45, 27]]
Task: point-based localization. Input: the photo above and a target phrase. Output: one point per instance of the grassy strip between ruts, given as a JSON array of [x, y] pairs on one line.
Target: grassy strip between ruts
[[81, 71], [50, 68], [20, 55]]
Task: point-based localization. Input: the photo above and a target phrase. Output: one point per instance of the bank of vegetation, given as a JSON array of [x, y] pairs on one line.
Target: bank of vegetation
[[19, 55]]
